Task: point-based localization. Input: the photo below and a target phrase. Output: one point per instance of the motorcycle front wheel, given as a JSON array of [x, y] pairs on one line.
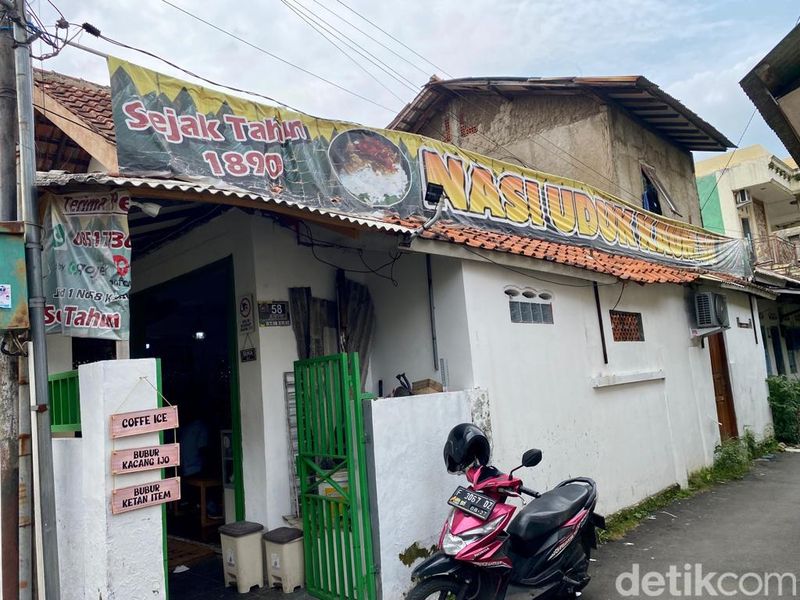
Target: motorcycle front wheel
[[437, 588]]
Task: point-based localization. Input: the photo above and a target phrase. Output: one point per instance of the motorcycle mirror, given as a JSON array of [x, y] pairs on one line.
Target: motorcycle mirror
[[532, 457]]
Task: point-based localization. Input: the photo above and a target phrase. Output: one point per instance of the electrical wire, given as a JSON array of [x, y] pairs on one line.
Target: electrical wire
[[379, 28], [727, 164], [276, 57], [91, 29], [574, 159], [313, 244], [571, 157], [320, 30], [377, 41], [354, 45], [622, 291]]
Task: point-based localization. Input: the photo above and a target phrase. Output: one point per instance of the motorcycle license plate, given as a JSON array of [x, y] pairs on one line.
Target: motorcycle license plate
[[472, 503]]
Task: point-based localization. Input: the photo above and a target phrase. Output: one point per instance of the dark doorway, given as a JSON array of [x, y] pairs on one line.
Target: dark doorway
[[723, 395], [188, 323], [777, 348]]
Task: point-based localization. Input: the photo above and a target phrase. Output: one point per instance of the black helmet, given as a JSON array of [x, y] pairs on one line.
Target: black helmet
[[465, 445]]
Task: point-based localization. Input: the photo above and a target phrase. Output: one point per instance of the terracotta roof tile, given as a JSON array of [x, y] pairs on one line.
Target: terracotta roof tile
[[623, 267], [89, 101]]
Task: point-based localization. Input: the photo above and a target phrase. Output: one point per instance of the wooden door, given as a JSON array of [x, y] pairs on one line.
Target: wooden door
[[726, 415]]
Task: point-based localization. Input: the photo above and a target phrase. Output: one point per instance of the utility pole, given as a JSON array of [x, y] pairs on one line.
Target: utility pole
[[9, 365], [33, 258]]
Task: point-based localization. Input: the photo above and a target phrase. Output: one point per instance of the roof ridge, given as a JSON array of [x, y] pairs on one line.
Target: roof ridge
[[54, 77]]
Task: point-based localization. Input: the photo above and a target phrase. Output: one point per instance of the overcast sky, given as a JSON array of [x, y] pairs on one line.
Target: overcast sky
[[696, 51]]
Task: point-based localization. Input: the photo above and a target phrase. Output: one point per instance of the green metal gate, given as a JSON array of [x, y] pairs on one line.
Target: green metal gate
[[331, 463]]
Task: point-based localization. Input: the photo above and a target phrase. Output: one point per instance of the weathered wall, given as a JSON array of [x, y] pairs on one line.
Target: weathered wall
[[409, 525], [541, 130], [632, 144], [572, 136], [103, 555], [634, 439]]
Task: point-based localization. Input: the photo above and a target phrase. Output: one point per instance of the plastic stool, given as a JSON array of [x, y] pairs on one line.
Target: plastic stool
[[283, 551], [241, 555]]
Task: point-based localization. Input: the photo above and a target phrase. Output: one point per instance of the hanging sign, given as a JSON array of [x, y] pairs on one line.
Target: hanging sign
[[133, 460], [145, 494], [273, 314], [247, 314], [177, 129], [144, 421], [86, 266]]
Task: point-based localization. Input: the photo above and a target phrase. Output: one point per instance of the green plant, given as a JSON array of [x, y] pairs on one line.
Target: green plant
[[784, 400]]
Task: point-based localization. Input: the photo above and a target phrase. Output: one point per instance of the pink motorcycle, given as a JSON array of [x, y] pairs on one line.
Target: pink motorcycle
[[486, 553]]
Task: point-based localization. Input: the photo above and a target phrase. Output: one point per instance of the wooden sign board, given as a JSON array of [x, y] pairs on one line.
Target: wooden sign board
[[134, 460], [144, 421], [145, 494]]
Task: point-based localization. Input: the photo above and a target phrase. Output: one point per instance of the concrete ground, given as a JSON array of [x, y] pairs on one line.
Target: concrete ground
[[742, 527], [204, 581], [747, 526]]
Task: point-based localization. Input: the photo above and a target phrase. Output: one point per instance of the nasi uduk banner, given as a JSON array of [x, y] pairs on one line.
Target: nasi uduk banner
[[168, 127], [87, 254]]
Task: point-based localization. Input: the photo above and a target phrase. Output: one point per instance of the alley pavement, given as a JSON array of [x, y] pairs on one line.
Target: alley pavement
[[205, 581], [743, 527], [747, 528]]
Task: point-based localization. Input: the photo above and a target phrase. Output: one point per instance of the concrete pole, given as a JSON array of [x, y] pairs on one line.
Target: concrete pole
[[25, 483], [33, 257], [9, 366]]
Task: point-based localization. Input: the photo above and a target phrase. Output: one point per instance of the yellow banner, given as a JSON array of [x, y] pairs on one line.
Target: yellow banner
[[169, 127]]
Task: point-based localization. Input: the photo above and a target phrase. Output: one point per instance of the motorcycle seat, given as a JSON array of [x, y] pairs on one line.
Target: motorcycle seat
[[548, 512]]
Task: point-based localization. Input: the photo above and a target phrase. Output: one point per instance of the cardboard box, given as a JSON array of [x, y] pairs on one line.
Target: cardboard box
[[426, 386]]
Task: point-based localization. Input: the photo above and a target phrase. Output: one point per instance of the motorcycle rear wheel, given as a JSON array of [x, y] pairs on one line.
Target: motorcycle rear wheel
[[437, 588]]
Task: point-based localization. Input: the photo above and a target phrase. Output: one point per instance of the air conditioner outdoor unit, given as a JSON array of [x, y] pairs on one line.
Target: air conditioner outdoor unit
[[710, 310], [743, 197]]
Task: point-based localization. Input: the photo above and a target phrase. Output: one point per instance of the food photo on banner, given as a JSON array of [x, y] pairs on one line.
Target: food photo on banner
[[172, 128], [87, 264]]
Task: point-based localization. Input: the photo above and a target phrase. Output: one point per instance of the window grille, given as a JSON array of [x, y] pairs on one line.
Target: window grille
[[529, 306], [626, 326]]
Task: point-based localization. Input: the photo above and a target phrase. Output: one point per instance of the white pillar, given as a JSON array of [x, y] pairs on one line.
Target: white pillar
[[104, 555]]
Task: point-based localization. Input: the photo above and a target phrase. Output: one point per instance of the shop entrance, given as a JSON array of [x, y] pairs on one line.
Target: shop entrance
[[188, 322]]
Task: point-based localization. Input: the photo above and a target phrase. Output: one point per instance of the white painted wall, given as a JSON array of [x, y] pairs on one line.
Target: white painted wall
[[747, 367], [279, 265], [59, 353], [103, 555], [408, 436], [452, 328], [634, 439], [229, 235]]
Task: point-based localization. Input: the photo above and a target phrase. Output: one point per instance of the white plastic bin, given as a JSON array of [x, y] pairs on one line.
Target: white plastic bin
[[241, 555], [283, 552]]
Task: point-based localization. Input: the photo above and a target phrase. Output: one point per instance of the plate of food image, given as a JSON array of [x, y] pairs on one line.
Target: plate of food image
[[370, 167]]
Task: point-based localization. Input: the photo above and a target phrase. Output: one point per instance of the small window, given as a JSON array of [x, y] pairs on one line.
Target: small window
[[526, 306], [654, 193], [626, 326]]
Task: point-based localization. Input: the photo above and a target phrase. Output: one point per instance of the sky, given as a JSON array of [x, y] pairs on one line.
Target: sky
[[696, 51]]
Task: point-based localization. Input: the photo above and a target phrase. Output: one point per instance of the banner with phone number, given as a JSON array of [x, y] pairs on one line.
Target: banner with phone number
[[87, 257], [172, 128]]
